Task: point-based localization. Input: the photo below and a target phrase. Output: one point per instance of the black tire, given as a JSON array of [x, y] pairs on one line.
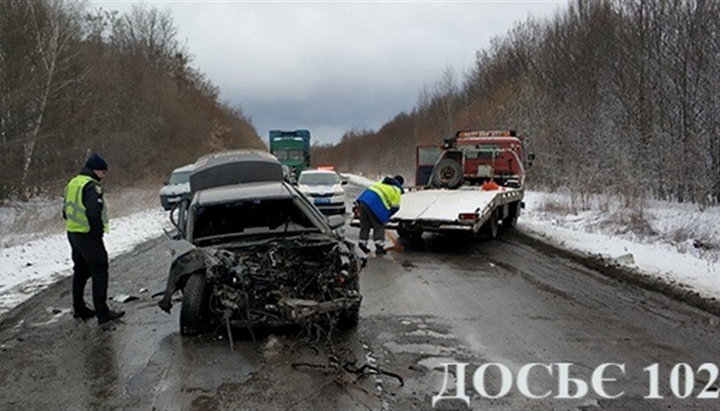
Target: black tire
[[349, 318], [447, 173], [490, 228], [404, 233], [510, 221], [194, 310]]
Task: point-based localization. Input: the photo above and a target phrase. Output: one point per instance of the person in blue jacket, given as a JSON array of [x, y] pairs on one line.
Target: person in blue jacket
[[377, 204]]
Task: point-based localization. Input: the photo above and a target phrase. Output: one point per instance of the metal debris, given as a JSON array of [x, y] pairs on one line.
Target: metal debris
[[124, 298]]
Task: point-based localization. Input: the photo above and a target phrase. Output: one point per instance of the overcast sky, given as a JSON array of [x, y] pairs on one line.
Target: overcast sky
[[331, 67]]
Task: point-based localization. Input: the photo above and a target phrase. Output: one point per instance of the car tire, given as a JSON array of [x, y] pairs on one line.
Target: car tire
[[447, 173], [194, 310], [349, 318]]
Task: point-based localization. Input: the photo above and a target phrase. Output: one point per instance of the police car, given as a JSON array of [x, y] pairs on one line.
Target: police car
[[324, 188]]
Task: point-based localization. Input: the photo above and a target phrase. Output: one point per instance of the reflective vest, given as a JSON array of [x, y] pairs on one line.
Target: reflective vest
[[389, 194], [76, 220], [382, 199]]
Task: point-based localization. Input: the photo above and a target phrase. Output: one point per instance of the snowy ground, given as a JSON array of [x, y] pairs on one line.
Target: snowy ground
[[675, 242], [27, 268]]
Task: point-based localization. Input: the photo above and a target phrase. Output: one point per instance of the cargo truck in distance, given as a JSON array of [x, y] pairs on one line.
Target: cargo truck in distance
[[292, 149], [473, 182]]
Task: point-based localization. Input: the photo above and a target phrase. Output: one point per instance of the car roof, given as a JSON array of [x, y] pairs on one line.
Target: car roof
[[187, 167], [249, 191], [237, 154], [235, 167], [318, 172]]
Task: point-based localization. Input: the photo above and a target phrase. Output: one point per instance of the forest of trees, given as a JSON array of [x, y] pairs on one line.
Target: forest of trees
[[616, 96], [75, 80]]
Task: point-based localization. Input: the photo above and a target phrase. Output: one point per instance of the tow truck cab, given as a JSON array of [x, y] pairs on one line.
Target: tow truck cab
[[473, 157]]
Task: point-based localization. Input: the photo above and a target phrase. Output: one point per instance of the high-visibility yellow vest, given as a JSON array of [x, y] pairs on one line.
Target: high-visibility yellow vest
[[389, 194], [76, 220]]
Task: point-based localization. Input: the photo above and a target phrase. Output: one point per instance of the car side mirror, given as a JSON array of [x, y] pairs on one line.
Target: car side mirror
[[344, 182], [336, 221]]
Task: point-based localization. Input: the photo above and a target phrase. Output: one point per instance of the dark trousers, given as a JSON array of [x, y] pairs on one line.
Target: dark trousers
[[368, 220], [90, 259]]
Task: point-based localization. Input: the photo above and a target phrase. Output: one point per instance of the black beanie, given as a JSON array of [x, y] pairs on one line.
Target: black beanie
[[399, 179], [95, 162]]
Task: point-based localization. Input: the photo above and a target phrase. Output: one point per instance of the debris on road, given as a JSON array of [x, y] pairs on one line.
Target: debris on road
[[124, 298]]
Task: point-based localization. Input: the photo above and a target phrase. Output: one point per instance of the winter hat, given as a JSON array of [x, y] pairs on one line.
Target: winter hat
[[95, 162], [399, 179]]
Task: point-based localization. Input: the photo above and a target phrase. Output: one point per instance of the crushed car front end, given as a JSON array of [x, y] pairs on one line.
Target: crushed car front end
[[268, 283], [260, 254]]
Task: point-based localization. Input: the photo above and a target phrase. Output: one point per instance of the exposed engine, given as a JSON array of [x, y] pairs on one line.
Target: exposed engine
[[282, 281]]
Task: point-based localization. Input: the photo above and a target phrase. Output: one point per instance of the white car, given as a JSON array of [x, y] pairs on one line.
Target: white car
[[177, 187], [324, 188]]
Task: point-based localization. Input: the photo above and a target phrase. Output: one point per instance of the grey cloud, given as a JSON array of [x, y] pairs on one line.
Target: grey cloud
[[336, 66]]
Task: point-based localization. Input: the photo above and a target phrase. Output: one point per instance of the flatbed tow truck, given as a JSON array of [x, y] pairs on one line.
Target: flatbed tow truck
[[473, 182]]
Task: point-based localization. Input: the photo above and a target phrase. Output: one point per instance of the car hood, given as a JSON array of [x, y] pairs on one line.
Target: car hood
[[175, 189], [321, 189]]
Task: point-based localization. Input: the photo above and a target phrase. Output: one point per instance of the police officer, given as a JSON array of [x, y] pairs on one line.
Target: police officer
[[86, 221], [377, 204]]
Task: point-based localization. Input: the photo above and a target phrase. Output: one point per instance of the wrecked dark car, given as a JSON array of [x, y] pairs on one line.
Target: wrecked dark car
[[251, 250]]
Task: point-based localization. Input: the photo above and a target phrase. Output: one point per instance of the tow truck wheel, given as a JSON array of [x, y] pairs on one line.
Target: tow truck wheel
[[404, 233], [194, 310], [447, 173], [490, 229], [510, 221]]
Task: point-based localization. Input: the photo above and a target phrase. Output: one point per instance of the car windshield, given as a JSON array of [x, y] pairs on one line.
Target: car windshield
[[251, 217], [316, 179], [291, 155], [180, 177]]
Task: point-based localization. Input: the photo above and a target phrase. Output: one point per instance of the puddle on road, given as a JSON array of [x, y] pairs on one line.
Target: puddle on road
[[424, 332], [435, 363], [57, 313], [423, 349]]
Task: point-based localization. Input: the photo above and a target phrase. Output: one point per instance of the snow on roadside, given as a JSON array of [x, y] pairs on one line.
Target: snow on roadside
[[358, 180], [28, 268], [655, 253]]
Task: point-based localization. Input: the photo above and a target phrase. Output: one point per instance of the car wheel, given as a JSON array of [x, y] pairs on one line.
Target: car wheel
[[349, 318], [194, 311]]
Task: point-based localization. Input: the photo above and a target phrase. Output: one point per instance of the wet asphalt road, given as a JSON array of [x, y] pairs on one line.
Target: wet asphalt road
[[443, 299]]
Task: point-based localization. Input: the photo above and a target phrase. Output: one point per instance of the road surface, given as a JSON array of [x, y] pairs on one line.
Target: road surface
[[444, 299]]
